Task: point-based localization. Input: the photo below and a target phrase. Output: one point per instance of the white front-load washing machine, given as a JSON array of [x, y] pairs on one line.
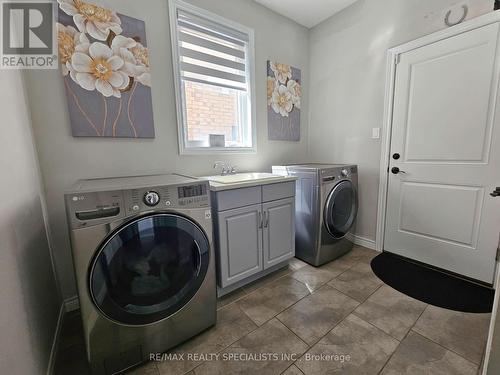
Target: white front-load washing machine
[[143, 256], [325, 209]]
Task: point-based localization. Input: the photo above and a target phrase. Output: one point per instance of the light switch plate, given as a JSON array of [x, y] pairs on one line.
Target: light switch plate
[[375, 133]]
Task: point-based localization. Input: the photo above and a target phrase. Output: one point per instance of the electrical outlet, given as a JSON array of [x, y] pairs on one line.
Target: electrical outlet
[[375, 133]]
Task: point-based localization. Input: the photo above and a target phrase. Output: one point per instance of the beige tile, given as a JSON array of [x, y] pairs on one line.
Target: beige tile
[[358, 254], [362, 254], [269, 301], [292, 370], [313, 277], [266, 280], [391, 311], [272, 337], [418, 355], [232, 324], [365, 350], [358, 282], [462, 333], [148, 368], [339, 265], [295, 264], [313, 316], [230, 298]]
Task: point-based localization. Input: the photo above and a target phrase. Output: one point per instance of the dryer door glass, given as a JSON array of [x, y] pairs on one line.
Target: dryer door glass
[[341, 209], [149, 268]]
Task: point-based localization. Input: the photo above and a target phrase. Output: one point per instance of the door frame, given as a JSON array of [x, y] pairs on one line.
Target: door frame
[[392, 60]]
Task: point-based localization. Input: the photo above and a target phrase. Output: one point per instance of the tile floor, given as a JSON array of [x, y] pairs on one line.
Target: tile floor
[[338, 318]]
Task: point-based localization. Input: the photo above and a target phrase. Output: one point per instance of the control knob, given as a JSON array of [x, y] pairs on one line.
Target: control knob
[[344, 172], [151, 198]]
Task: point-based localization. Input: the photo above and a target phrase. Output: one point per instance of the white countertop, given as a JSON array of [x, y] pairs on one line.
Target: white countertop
[[218, 186]]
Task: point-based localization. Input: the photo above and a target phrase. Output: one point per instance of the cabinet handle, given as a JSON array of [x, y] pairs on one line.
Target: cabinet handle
[[260, 220], [266, 219]]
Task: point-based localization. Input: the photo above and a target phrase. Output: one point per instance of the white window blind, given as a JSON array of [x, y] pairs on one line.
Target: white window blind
[[213, 61], [212, 53]]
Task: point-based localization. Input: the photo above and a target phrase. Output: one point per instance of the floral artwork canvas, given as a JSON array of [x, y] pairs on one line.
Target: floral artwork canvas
[[105, 66], [284, 92]]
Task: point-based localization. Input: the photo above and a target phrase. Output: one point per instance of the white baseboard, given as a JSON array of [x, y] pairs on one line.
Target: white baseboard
[[55, 340], [365, 242], [71, 304]]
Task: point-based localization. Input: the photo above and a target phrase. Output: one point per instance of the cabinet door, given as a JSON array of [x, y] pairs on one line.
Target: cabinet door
[[240, 243], [279, 231]]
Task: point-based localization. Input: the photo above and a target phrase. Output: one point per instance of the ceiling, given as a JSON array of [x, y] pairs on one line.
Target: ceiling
[[306, 12]]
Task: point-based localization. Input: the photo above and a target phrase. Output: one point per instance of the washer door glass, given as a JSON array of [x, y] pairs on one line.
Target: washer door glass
[[149, 268], [341, 209]]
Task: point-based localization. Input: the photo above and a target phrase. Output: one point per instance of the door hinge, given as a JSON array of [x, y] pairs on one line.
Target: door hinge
[[397, 59], [497, 258]]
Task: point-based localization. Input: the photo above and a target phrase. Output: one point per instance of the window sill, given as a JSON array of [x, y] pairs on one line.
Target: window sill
[[217, 151]]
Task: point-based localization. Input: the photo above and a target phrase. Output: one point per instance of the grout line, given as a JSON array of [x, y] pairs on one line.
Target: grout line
[[224, 347], [266, 285], [293, 333], [360, 302], [428, 338], [219, 351], [293, 364], [236, 300], [445, 348], [276, 315], [405, 336]]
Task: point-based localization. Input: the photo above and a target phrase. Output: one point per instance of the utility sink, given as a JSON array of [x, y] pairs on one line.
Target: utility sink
[[242, 177]]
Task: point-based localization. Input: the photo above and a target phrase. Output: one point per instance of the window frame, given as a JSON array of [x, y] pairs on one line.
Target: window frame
[[184, 149]]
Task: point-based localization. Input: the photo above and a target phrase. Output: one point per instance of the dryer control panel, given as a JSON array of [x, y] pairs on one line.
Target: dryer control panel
[[335, 174]]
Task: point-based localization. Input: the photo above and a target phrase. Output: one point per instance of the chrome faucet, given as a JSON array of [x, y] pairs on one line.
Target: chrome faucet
[[227, 168]]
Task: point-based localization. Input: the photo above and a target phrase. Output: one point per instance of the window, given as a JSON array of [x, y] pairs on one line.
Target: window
[[213, 69]]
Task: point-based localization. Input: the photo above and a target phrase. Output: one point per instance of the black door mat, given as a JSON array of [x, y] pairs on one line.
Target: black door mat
[[431, 286]]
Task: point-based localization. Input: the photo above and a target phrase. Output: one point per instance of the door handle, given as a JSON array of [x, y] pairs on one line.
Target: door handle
[[260, 220], [266, 219], [496, 192], [396, 170]]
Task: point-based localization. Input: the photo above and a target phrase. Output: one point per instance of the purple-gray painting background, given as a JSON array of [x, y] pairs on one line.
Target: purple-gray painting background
[[139, 107], [281, 128]]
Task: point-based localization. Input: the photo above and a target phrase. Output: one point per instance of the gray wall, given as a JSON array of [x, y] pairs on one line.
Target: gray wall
[[347, 80], [29, 294], [65, 159]]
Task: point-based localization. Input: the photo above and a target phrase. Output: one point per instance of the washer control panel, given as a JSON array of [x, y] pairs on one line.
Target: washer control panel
[[167, 197], [87, 209]]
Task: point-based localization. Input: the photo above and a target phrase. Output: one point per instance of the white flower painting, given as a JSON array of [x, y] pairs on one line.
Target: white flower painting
[[284, 93], [92, 19], [99, 69], [105, 66]]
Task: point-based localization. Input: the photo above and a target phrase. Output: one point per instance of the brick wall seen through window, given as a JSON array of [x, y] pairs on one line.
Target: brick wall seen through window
[[211, 110]]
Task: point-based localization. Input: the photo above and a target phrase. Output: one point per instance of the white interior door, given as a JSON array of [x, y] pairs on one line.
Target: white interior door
[[446, 130]]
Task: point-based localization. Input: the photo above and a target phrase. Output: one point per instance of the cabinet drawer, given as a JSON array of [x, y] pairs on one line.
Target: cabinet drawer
[[277, 191], [234, 198]]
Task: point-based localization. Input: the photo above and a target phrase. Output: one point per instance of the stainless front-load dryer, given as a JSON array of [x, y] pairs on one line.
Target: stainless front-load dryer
[[144, 263], [326, 207]]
